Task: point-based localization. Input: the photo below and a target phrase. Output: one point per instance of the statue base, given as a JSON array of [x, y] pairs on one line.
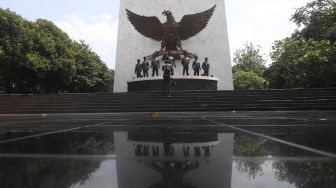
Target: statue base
[[183, 83]]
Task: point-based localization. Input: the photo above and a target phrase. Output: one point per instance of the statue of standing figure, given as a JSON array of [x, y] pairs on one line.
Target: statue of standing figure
[[206, 67], [185, 63], [155, 67], [138, 69], [145, 67], [196, 66]]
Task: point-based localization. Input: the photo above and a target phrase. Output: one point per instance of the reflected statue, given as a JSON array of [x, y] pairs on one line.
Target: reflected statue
[[172, 173], [166, 158]]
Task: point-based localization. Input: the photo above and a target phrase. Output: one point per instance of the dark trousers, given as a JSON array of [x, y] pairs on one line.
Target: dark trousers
[[155, 71], [206, 73], [145, 73], [139, 74], [186, 70], [166, 85], [196, 72]]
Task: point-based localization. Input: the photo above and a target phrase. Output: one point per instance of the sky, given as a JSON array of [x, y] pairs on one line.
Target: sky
[[96, 21]]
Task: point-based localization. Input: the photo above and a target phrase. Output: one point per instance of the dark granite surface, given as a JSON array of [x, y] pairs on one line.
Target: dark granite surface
[[187, 149]]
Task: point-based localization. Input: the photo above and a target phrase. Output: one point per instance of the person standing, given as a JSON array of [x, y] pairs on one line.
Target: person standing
[[170, 59], [145, 67], [167, 69], [196, 66], [206, 67], [138, 69]]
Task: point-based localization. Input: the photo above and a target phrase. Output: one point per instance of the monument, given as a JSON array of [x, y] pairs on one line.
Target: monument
[[180, 29]]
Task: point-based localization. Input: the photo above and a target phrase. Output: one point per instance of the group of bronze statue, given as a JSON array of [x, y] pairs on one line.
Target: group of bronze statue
[[142, 68]]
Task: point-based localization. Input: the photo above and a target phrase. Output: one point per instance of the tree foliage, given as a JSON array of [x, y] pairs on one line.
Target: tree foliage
[[247, 80], [248, 69], [249, 59], [308, 58], [302, 63], [38, 57], [316, 20], [249, 146]]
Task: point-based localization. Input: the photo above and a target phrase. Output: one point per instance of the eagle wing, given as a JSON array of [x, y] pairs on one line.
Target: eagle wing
[[191, 25], [150, 27]]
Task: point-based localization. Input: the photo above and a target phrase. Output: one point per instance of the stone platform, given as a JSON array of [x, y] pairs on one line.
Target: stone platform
[[183, 83]]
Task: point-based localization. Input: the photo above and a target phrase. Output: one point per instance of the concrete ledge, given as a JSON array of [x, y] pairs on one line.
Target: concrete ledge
[[182, 83]]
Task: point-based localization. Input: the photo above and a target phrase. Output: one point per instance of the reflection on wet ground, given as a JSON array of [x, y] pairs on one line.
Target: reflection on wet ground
[[219, 149]]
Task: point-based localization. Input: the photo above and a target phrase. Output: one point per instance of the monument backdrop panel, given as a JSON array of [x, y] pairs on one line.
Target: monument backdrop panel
[[212, 42]]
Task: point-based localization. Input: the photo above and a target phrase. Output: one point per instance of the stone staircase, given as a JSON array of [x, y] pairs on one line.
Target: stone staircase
[[187, 101]]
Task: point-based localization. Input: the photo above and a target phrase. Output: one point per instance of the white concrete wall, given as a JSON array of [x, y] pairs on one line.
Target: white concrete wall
[[212, 42]]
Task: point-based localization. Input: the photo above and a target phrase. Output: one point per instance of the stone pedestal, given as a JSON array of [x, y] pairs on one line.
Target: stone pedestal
[[212, 42], [181, 83]]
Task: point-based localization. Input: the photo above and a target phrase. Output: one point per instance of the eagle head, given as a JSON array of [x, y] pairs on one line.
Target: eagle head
[[166, 12]]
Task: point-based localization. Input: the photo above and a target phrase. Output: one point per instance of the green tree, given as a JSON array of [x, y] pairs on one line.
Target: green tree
[[302, 63], [307, 58], [247, 80], [38, 57], [91, 74], [15, 41], [249, 59], [316, 20], [248, 68]]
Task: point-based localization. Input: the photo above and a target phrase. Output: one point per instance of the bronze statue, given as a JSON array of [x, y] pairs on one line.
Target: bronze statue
[[196, 66], [145, 67], [185, 63], [171, 33], [138, 69], [155, 67], [206, 67]]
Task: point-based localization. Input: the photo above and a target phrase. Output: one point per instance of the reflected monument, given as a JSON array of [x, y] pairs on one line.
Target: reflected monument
[[174, 159]]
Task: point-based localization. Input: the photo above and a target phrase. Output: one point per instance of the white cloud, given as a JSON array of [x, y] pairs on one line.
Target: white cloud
[[260, 22], [98, 31]]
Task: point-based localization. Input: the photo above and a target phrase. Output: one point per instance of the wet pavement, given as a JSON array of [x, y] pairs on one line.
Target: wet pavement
[[149, 150]]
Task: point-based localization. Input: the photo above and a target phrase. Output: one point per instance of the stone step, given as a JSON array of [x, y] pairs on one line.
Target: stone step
[[160, 97], [177, 107], [165, 102], [259, 100], [229, 93]]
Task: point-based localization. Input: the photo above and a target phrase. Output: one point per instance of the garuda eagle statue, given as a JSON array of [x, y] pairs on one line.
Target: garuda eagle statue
[[170, 33]]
